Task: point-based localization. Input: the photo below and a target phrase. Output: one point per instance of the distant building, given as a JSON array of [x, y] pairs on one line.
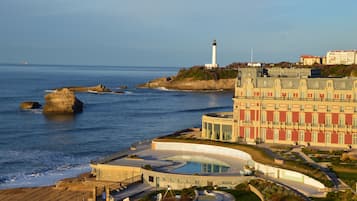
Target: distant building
[[254, 64], [344, 57], [214, 57], [288, 109], [308, 60]]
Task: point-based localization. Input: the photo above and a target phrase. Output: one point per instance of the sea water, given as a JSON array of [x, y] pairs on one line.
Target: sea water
[[36, 150]]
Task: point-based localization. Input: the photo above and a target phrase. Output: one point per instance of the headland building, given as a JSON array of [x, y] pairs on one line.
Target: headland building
[[288, 106], [333, 57]]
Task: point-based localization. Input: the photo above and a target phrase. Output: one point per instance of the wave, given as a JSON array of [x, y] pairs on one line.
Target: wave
[[43, 178], [165, 89], [39, 168]]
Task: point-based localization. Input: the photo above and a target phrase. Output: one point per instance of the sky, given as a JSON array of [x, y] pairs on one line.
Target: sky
[[172, 32]]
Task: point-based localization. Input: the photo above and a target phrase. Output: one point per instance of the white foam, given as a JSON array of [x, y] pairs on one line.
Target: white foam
[[164, 89], [44, 178]]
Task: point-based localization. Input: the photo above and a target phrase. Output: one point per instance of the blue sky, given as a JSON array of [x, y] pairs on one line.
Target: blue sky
[[172, 32]]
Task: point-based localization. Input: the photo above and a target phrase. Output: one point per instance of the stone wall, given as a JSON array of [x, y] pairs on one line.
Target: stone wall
[[115, 173]]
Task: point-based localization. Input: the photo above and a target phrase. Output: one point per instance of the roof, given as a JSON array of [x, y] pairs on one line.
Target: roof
[[309, 56]]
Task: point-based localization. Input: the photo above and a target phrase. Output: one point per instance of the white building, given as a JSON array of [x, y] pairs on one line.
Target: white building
[[214, 57], [344, 57]]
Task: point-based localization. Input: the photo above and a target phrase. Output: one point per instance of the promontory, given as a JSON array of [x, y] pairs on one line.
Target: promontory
[[196, 78]]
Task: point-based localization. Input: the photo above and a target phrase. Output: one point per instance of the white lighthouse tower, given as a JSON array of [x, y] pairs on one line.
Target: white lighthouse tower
[[214, 56]]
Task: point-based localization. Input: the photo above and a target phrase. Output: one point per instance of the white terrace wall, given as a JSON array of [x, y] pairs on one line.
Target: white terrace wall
[[201, 148], [180, 181], [290, 175], [266, 169]]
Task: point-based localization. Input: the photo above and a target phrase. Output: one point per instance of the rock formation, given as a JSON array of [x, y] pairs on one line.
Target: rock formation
[[97, 88], [30, 105], [61, 102]]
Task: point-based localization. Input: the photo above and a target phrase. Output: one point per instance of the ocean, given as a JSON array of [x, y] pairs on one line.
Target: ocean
[[36, 150]]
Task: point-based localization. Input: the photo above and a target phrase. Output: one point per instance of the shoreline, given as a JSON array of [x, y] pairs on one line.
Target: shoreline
[[50, 192]]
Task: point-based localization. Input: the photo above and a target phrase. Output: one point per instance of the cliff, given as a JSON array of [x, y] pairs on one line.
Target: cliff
[[191, 84], [62, 101]]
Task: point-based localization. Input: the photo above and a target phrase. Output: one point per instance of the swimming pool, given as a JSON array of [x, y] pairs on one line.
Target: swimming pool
[[198, 164], [195, 167]]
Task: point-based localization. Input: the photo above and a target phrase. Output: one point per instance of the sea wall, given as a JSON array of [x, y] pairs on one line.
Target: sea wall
[[115, 173]]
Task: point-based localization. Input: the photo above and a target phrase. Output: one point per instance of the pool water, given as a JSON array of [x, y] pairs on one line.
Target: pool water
[[195, 167]]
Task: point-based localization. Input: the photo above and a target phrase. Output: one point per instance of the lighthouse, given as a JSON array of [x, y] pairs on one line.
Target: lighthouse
[[214, 56]]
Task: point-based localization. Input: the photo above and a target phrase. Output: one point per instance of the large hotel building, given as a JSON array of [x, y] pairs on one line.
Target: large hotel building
[[288, 106]]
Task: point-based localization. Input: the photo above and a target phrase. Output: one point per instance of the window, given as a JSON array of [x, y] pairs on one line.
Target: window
[[314, 119], [342, 109], [227, 132], [249, 93], [301, 136], [328, 121], [329, 95], [264, 116], [315, 108], [354, 122], [354, 139], [302, 118], [288, 135], [264, 132], [288, 117], [217, 131], [247, 116], [276, 135], [341, 120], [341, 138], [209, 130], [276, 117], [302, 95], [247, 133], [316, 96], [314, 136], [289, 95], [328, 137], [151, 179]]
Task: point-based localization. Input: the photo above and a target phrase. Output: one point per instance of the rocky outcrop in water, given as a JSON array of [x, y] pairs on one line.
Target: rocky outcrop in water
[[62, 101], [97, 88], [27, 105]]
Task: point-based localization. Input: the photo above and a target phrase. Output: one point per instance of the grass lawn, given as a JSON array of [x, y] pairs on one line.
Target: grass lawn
[[348, 175], [243, 195]]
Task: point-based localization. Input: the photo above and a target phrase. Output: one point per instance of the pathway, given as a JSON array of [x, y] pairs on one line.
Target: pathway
[[333, 177]]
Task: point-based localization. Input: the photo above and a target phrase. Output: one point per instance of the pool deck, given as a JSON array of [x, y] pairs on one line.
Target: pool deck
[[159, 160]]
